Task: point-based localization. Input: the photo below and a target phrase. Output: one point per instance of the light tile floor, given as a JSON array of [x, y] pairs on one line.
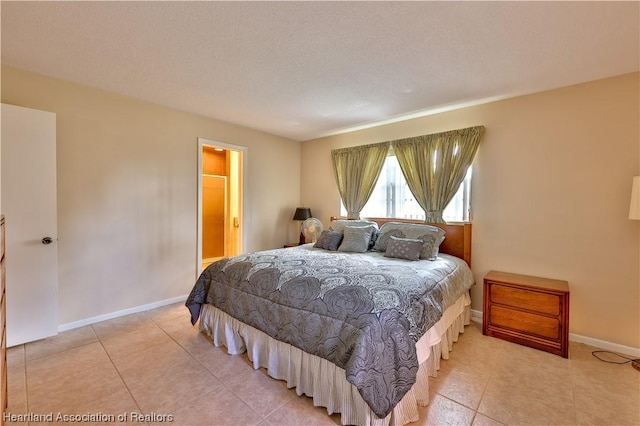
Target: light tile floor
[[156, 362]]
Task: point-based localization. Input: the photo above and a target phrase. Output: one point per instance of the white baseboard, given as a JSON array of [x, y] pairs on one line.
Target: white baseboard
[[603, 344], [476, 316], [135, 309]]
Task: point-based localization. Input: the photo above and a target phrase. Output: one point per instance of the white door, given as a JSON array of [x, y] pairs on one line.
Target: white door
[[29, 204]]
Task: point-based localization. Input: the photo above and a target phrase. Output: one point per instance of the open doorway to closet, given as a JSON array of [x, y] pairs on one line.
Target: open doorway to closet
[[220, 201]]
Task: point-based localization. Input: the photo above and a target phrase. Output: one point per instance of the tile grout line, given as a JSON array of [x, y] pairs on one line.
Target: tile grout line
[[181, 347], [272, 411], [573, 391], [262, 418], [484, 391], [40, 358], [188, 353], [53, 355], [117, 371]]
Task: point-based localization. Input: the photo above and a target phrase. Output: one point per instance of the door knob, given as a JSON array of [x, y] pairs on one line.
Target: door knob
[[47, 240]]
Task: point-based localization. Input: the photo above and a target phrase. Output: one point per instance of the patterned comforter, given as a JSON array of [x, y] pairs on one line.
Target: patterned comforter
[[363, 312]]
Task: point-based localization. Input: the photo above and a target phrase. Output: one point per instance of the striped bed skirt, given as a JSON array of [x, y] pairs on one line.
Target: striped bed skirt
[[324, 381]]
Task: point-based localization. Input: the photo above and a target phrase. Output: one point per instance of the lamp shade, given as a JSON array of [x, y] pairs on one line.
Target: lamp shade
[[634, 210], [302, 213]]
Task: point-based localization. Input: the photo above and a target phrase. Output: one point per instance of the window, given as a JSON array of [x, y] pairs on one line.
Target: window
[[391, 197]]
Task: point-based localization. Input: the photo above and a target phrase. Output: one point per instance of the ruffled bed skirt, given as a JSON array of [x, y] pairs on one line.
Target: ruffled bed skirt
[[325, 382]]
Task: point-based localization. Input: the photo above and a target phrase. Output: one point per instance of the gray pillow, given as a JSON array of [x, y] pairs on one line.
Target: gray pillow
[[404, 248], [340, 224], [329, 240], [432, 237], [357, 238], [430, 246]]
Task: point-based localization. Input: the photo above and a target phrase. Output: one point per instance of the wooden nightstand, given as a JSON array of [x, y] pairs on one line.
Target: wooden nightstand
[[528, 310]]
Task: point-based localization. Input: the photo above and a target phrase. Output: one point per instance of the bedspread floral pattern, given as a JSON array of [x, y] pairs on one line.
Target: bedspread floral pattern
[[364, 317]]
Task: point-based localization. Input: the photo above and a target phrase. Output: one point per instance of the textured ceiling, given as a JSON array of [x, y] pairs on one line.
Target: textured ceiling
[[308, 69]]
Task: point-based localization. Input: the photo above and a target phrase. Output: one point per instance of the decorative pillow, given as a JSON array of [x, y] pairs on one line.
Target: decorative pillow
[[356, 238], [404, 248], [329, 240], [431, 236], [430, 247], [340, 224]]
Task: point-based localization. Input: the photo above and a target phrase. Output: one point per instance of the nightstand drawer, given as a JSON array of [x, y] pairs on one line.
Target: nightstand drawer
[[526, 322], [525, 299]]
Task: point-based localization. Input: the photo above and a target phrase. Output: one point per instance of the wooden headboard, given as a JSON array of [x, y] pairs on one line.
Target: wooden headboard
[[457, 240]]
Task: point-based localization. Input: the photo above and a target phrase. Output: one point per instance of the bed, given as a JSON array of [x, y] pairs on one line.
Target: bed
[[358, 325]]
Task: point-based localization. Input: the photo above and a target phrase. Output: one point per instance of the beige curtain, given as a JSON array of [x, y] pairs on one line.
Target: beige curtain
[[357, 170], [435, 165]]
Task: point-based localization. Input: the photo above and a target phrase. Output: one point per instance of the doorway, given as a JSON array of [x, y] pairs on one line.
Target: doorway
[[221, 169]]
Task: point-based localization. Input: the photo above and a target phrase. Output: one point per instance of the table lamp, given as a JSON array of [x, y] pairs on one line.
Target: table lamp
[[302, 214]]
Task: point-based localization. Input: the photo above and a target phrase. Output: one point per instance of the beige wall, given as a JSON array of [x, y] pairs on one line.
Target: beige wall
[[550, 194], [127, 176]]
